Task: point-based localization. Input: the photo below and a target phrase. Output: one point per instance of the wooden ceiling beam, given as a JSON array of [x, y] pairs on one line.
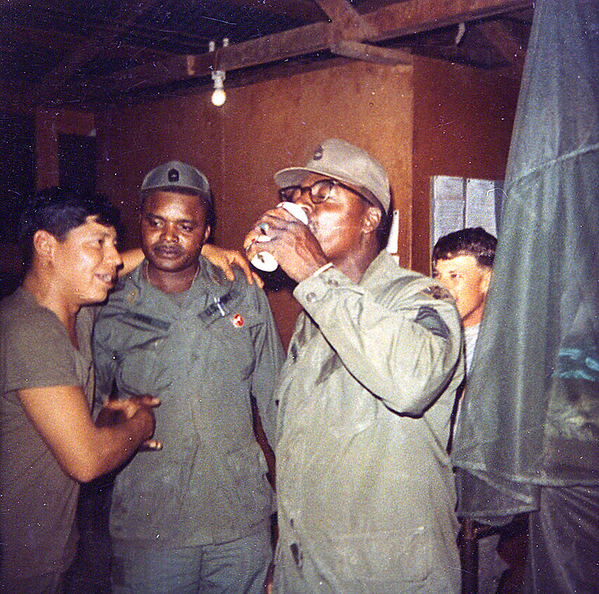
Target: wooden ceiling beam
[[371, 53], [159, 72], [273, 48], [346, 22], [416, 16], [396, 20], [401, 18]]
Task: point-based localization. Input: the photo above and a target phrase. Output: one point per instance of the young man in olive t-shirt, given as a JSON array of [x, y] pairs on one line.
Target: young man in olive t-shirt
[[48, 439]]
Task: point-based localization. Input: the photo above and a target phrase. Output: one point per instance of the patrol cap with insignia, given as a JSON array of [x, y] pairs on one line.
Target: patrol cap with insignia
[[175, 175], [346, 163]]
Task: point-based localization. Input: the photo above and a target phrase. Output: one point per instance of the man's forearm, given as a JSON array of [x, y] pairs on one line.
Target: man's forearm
[[117, 439]]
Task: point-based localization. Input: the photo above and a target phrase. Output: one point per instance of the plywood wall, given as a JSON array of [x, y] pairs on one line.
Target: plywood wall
[[260, 129], [463, 122], [285, 119]]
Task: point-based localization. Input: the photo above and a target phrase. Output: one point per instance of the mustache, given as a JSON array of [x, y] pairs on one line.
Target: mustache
[[166, 247]]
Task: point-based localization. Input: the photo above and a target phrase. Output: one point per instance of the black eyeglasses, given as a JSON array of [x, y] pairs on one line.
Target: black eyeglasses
[[319, 191]]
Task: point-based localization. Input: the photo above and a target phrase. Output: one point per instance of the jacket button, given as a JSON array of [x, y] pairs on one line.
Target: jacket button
[[311, 297]]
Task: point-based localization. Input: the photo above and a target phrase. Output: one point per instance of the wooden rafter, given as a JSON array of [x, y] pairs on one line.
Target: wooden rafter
[[390, 22], [129, 11], [371, 53], [401, 18], [346, 22]]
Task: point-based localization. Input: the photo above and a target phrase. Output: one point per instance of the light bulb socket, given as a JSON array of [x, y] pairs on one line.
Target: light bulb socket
[[218, 76], [219, 96]]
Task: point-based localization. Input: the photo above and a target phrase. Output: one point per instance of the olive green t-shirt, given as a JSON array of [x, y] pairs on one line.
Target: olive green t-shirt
[[37, 499]]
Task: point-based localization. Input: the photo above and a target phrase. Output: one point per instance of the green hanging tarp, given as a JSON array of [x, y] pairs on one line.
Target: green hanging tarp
[[530, 413]]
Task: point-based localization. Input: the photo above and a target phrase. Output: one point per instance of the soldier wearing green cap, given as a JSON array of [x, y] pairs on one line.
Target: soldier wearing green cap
[[196, 516], [365, 488]]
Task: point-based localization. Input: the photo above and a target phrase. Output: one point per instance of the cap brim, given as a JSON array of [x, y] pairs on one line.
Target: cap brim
[[185, 189], [292, 176]]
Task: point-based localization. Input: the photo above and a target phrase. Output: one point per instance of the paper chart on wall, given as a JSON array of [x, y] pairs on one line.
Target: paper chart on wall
[[458, 202]]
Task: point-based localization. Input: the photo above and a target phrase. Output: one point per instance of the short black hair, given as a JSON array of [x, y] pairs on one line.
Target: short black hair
[[472, 241], [58, 210]]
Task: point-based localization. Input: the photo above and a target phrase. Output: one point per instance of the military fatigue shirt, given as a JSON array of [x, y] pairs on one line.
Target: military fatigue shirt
[[205, 358], [365, 487]]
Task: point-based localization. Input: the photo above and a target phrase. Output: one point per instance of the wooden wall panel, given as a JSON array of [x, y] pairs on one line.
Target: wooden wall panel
[[260, 129], [134, 140], [463, 120], [284, 119]]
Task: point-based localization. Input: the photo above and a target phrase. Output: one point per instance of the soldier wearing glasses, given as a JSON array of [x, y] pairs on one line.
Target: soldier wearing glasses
[[365, 487]]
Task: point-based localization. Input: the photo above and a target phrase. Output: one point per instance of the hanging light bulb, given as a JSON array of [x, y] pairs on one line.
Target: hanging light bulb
[[218, 95]]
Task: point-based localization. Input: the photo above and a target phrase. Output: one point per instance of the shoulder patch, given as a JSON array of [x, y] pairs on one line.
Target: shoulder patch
[[438, 292], [431, 320]]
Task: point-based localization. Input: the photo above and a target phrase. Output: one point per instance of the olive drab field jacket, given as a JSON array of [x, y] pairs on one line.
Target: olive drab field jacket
[[365, 486], [205, 357]]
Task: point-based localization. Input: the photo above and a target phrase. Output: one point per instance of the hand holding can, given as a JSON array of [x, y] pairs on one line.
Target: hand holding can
[[263, 260]]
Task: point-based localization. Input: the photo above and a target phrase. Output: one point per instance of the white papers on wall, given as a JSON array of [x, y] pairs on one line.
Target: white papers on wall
[[458, 202], [393, 242]]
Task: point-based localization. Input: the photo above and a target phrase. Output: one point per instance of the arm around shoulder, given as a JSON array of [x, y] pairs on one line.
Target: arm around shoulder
[[223, 258]]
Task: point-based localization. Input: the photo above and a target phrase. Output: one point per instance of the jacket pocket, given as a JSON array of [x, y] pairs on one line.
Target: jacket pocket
[[245, 470], [383, 556]]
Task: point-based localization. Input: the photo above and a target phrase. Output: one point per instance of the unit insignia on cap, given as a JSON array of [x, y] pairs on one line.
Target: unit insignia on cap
[[318, 152], [173, 176]]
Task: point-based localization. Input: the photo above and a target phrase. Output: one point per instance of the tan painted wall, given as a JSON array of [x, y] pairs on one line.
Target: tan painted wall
[[462, 126], [262, 128]]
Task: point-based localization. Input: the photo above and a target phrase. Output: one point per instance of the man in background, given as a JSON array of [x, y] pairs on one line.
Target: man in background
[[463, 262], [365, 487], [194, 517], [48, 440]]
